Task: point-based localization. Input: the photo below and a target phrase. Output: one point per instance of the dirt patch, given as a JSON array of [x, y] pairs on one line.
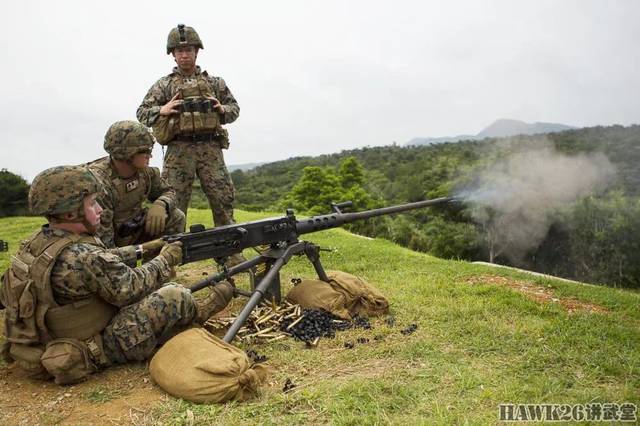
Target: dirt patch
[[120, 395], [538, 293]]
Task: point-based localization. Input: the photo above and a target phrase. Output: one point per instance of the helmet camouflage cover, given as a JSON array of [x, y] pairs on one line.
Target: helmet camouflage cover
[[61, 189], [183, 36], [124, 139]]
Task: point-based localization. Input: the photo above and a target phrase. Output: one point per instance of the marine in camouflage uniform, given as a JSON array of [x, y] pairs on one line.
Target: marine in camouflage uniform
[[128, 182], [73, 306], [187, 109]]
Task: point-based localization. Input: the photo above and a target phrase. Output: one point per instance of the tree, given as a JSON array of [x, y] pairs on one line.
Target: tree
[[351, 173], [315, 191], [605, 240], [14, 194]]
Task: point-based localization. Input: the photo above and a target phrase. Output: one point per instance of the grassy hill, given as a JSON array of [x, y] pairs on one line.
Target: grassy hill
[[484, 336]]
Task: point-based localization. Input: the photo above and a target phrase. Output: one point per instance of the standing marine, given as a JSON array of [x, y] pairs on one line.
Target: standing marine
[[187, 110], [128, 182], [72, 306]]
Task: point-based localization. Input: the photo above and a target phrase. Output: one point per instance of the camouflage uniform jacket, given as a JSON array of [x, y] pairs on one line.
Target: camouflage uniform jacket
[[166, 88], [122, 198], [83, 270]]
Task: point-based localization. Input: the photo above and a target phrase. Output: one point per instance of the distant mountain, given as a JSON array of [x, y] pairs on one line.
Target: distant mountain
[[243, 167], [498, 129], [507, 127]]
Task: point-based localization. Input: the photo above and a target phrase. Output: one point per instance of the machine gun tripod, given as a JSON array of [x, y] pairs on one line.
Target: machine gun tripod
[[267, 286]]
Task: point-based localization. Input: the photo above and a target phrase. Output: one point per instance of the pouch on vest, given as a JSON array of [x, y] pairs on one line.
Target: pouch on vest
[[27, 357], [211, 120], [67, 360], [186, 123], [165, 129], [222, 137], [18, 297], [80, 320]]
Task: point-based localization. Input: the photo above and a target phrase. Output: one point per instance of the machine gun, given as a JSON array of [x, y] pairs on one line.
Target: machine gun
[[281, 235]]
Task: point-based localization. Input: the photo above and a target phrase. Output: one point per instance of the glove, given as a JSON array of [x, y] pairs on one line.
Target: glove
[[152, 247], [156, 219], [172, 253]]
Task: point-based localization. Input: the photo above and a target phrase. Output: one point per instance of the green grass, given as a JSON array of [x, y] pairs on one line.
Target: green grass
[[101, 394], [476, 346]]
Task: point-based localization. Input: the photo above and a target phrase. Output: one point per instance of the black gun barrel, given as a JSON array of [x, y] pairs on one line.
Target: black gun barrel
[[318, 223]]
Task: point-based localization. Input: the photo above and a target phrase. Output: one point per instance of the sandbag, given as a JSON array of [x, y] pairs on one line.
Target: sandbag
[[197, 366], [361, 298], [316, 294]]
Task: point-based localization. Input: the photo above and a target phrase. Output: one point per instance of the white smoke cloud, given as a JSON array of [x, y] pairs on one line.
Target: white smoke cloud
[[515, 198]]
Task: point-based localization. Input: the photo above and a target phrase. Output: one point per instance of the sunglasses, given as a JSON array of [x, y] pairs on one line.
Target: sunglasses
[[145, 151]]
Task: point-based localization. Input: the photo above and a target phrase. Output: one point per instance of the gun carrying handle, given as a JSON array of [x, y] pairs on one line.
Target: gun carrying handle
[[337, 207]]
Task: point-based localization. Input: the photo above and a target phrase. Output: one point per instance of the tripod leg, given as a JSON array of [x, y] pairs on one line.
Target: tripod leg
[[313, 254], [274, 291]]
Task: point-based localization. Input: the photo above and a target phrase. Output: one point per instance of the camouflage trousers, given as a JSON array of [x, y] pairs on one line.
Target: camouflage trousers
[[175, 224], [184, 161], [137, 329]]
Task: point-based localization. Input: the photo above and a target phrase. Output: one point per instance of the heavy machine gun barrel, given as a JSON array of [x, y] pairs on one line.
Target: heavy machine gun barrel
[[333, 220]]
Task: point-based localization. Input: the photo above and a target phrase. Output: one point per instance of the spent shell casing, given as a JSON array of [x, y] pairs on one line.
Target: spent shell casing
[[282, 336], [264, 318], [295, 322]]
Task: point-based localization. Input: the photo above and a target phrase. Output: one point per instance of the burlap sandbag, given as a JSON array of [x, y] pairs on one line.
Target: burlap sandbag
[[361, 298], [197, 366], [316, 294]]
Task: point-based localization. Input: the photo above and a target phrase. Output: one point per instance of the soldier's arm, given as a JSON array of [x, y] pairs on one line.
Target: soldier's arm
[[226, 99], [149, 110], [161, 190], [106, 228], [107, 276], [127, 254]]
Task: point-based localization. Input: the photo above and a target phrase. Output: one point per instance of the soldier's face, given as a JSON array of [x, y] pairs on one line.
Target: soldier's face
[[185, 57], [141, 159], [92, 210]]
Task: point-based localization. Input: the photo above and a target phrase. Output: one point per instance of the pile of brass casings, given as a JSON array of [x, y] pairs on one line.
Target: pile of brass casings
[[264, 323]]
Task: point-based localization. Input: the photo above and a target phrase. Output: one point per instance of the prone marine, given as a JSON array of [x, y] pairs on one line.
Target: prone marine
[[72, 306]]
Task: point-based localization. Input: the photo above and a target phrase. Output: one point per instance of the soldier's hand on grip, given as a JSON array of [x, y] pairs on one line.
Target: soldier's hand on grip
[[153, 246], [172, 253], [156, 219]]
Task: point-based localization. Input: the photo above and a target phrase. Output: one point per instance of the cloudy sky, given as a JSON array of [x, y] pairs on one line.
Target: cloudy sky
[[315, 77]]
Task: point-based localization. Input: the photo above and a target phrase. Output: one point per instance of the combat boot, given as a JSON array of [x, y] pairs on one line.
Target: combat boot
[[216, 301]]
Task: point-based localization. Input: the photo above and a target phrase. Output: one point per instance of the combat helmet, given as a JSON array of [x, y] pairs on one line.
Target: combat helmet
[[61, 190], [124, 139], [183, 36]]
